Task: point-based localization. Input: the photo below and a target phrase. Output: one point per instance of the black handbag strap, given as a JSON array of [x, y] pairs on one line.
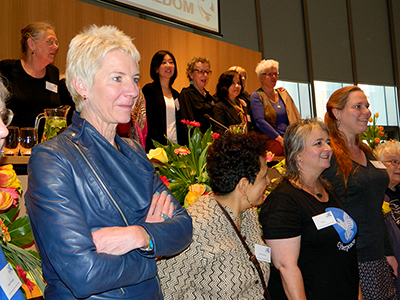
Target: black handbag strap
[[253, 258]]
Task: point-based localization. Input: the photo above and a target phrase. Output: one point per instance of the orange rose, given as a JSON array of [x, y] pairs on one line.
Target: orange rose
[[380, 128], [195, 191], [377, 140]]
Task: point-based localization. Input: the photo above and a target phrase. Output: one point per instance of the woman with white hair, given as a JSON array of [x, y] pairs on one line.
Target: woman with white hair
[[98, 210], [273, 109], [389, 154]]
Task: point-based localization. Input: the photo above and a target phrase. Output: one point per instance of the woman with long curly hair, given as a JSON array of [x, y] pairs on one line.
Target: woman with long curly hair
[[360, 181]]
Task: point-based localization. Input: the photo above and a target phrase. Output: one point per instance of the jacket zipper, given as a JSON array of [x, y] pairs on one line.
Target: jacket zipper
[[104, 187]]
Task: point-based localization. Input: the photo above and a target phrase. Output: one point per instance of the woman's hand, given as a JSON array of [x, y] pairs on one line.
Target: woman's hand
[[279, 139], [161, 208], [120, 240], [281, 89]]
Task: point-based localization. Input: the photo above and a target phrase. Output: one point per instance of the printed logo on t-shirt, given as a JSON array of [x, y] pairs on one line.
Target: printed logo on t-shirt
[[345, 226]]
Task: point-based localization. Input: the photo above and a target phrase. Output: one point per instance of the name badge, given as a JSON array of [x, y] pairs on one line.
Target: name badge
[[51, 87], [378, 164], [9, 281], [262, 253], [324, 220], [248, 118], [177, 106]]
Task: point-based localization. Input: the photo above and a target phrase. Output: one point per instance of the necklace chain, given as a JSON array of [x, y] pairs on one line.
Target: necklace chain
[[318, 194]]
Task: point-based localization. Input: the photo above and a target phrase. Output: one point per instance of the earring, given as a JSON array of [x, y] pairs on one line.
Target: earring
[[33, 52], [84, 97], [247, 199], [337, 122]]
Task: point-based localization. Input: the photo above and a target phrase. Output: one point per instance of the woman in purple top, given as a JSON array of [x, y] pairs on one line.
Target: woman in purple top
[[273, 109]]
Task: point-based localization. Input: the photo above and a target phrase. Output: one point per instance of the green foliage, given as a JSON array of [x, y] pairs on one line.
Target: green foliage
[[182, 170], [374, 134]]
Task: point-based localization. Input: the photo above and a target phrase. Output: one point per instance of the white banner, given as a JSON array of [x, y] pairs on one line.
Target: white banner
[[199, 13]]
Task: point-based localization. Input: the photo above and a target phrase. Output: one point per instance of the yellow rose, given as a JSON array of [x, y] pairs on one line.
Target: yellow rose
[[8, 177], [376, 115], [385, 207], [158, 154], [190, 199], [6, 200], [370, 119]]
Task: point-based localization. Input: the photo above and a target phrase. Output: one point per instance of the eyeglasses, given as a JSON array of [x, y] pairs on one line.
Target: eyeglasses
[[51, 43], [271, 74], [203, 72], [6, 116], [394, 162]]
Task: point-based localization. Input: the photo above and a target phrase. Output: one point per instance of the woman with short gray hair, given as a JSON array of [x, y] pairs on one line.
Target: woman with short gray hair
[[99, 212], [389, 154], [273, 109]]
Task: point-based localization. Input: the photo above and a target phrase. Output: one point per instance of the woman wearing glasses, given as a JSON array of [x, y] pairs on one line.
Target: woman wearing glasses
[[273, 109], [389, 154], [195, 100], [33, 80]]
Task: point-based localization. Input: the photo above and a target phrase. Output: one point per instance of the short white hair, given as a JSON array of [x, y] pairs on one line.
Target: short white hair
[[385, 149], [87, 51], [264, 65]]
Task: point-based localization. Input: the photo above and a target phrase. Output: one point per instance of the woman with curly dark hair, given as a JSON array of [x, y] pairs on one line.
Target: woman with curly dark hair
[[216, 265], [195, 101], [230, 109]]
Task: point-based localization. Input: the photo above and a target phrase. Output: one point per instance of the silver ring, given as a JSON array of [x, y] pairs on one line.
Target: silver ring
[[164, 216]]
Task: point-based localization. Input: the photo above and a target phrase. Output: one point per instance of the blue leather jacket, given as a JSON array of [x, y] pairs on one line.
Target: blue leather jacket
[[67, 200]]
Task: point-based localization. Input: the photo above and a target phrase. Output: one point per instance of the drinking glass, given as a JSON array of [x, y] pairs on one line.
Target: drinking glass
[[11, 141], [28, 138]]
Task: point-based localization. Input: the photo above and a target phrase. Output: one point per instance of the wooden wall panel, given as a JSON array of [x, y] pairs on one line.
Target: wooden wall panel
[[70, 16]]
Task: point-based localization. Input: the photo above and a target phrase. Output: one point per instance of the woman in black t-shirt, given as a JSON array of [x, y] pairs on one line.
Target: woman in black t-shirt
[[311, 236]]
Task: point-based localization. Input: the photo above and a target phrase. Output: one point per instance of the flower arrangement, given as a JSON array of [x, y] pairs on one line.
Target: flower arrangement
[[374, 134], [183, 168], [16, 232]]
